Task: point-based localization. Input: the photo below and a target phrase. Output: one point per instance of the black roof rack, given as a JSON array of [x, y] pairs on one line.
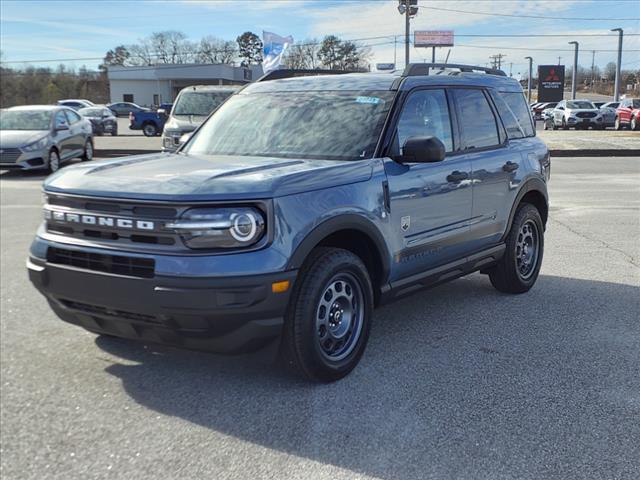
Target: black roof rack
[[420, 69], [290, 73]]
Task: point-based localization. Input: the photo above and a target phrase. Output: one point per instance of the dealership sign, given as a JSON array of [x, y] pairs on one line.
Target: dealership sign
[[550, 83], [433, 38]]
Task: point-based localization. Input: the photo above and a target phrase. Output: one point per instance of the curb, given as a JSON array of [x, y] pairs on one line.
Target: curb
[[594, 152], [585, 152]]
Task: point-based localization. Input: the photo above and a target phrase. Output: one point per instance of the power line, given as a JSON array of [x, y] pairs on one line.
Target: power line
[[540, 17]]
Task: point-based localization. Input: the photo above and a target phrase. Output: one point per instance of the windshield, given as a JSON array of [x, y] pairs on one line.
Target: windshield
[[90, 112], [314, 125], [199, 103], [25, 120], [580, 105]]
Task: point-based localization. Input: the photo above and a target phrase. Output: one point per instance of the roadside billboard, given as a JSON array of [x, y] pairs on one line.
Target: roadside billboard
[[433, 38], [550, 83]]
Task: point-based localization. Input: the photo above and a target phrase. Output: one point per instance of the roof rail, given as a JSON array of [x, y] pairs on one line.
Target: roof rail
[[419, 69], [290, 73]]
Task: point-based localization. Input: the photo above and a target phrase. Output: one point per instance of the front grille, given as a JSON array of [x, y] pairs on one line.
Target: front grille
[[586, 114], [116, 264], [110, 312], [157, 215], [9, 155]]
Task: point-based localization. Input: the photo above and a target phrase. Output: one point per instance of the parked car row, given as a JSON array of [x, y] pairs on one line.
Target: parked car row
[[584, 114]]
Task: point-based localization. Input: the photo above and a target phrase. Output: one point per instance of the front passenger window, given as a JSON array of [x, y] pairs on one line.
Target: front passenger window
[[60, 119], [424, 114]]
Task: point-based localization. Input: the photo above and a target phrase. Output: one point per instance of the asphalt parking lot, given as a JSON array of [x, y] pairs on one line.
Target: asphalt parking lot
[[457, 382]]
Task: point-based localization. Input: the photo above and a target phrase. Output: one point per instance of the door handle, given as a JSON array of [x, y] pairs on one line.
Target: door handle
[[510, 166], [457, 176]]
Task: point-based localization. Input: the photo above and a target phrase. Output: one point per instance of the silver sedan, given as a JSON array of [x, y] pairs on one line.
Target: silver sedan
[[43, 137]]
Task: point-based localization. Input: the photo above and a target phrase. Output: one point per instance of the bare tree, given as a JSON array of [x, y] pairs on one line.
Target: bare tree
[[215, 50], [169, 46]]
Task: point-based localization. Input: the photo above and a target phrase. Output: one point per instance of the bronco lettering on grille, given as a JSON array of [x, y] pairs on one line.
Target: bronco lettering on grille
[[99, 220]]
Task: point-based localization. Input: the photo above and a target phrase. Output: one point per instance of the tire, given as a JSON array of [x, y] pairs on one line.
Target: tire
[[149, 130], [53, 162], [564, 125], [321, 342], [518, 269], [555, 127], [114, 132], [634, 124], [545, 126], [87, 154], [617, 125]]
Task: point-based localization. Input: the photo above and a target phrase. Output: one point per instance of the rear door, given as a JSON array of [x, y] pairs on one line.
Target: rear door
[[494, 163], [430, 203]]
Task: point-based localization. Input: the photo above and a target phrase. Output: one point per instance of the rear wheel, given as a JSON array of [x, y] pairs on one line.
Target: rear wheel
[[329, 318], [518, 269], [149, 130], [635, 125], [564, 125], [114, 131]]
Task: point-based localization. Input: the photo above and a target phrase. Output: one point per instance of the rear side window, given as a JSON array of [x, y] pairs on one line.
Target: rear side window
[[476, 119], [72, 116], [425, 114], [515, 114]]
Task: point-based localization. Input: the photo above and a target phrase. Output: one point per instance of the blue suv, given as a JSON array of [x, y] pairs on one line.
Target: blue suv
[[299, 205]]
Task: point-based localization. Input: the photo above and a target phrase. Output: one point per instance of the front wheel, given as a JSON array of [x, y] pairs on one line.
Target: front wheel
[[149, 130], [518, 269], [564, 125], [329, 317], [634, 123], [87, 154], [53, 162], [616, 124]]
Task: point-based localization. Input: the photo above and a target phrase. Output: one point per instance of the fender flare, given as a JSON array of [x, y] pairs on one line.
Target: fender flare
[[347, 221], [530, 185]]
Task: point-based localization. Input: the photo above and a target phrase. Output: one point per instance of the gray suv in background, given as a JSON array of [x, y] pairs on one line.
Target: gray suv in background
[[43, 137], [192, 106]]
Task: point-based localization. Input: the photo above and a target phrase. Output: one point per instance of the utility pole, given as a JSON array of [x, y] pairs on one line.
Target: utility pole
[[530, 80], [395, 50], [497, 60], [593, 68], [559, 59], [574, 74], [433, 54], [511, 69], [408, 8], [616, 90]]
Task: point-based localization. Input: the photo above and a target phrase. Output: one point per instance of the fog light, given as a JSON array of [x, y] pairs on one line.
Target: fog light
[[280, 287]]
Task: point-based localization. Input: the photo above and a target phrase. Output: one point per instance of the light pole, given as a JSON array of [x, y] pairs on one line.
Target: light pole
[[529, 79], [574, 74], [408, 8], [616, 90]]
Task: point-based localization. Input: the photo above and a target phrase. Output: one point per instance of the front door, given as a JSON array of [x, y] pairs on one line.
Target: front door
[[62, 135], [430, 203]]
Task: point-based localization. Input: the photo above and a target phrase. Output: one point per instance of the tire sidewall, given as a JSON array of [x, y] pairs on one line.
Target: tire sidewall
[[50, 164], [303, 315], [149, 134], [527, 212]]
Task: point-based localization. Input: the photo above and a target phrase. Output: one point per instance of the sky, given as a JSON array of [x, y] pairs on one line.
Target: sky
[[80, 32]]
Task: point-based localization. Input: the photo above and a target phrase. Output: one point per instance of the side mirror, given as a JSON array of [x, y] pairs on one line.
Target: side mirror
[[184, 138], [162, 112], [422, 150], [61, 127], [560, 108]]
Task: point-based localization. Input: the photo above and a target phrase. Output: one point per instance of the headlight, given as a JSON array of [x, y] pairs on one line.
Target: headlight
[[37, 145], [220, 227]]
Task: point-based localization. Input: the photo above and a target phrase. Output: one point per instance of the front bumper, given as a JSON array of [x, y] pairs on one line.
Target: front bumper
[[585, 122], [217, 314], [25, 160]]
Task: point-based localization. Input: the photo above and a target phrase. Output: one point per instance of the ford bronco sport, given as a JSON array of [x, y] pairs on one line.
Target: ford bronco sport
[[297, 207]]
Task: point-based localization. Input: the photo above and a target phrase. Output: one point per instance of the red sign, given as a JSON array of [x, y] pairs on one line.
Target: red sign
[[433, 38]]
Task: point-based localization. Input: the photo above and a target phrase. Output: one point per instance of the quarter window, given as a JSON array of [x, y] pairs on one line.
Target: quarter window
[[518, 106], [425, 113], [60, 119], [476, 119]]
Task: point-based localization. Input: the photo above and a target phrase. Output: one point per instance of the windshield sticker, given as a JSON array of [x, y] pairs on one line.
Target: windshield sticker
[[371, 100]]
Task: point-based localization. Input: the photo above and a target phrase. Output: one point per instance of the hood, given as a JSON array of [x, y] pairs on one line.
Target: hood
[[20, 138], [180, 177]]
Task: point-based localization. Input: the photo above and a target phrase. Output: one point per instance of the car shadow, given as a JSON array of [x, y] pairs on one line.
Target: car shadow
[[19, 175], [457, 381]]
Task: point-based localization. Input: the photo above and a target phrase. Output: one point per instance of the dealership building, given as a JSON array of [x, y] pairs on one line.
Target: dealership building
[[153, 85]]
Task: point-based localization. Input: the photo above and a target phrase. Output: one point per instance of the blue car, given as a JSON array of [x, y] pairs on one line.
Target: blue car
[[296, 208]]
